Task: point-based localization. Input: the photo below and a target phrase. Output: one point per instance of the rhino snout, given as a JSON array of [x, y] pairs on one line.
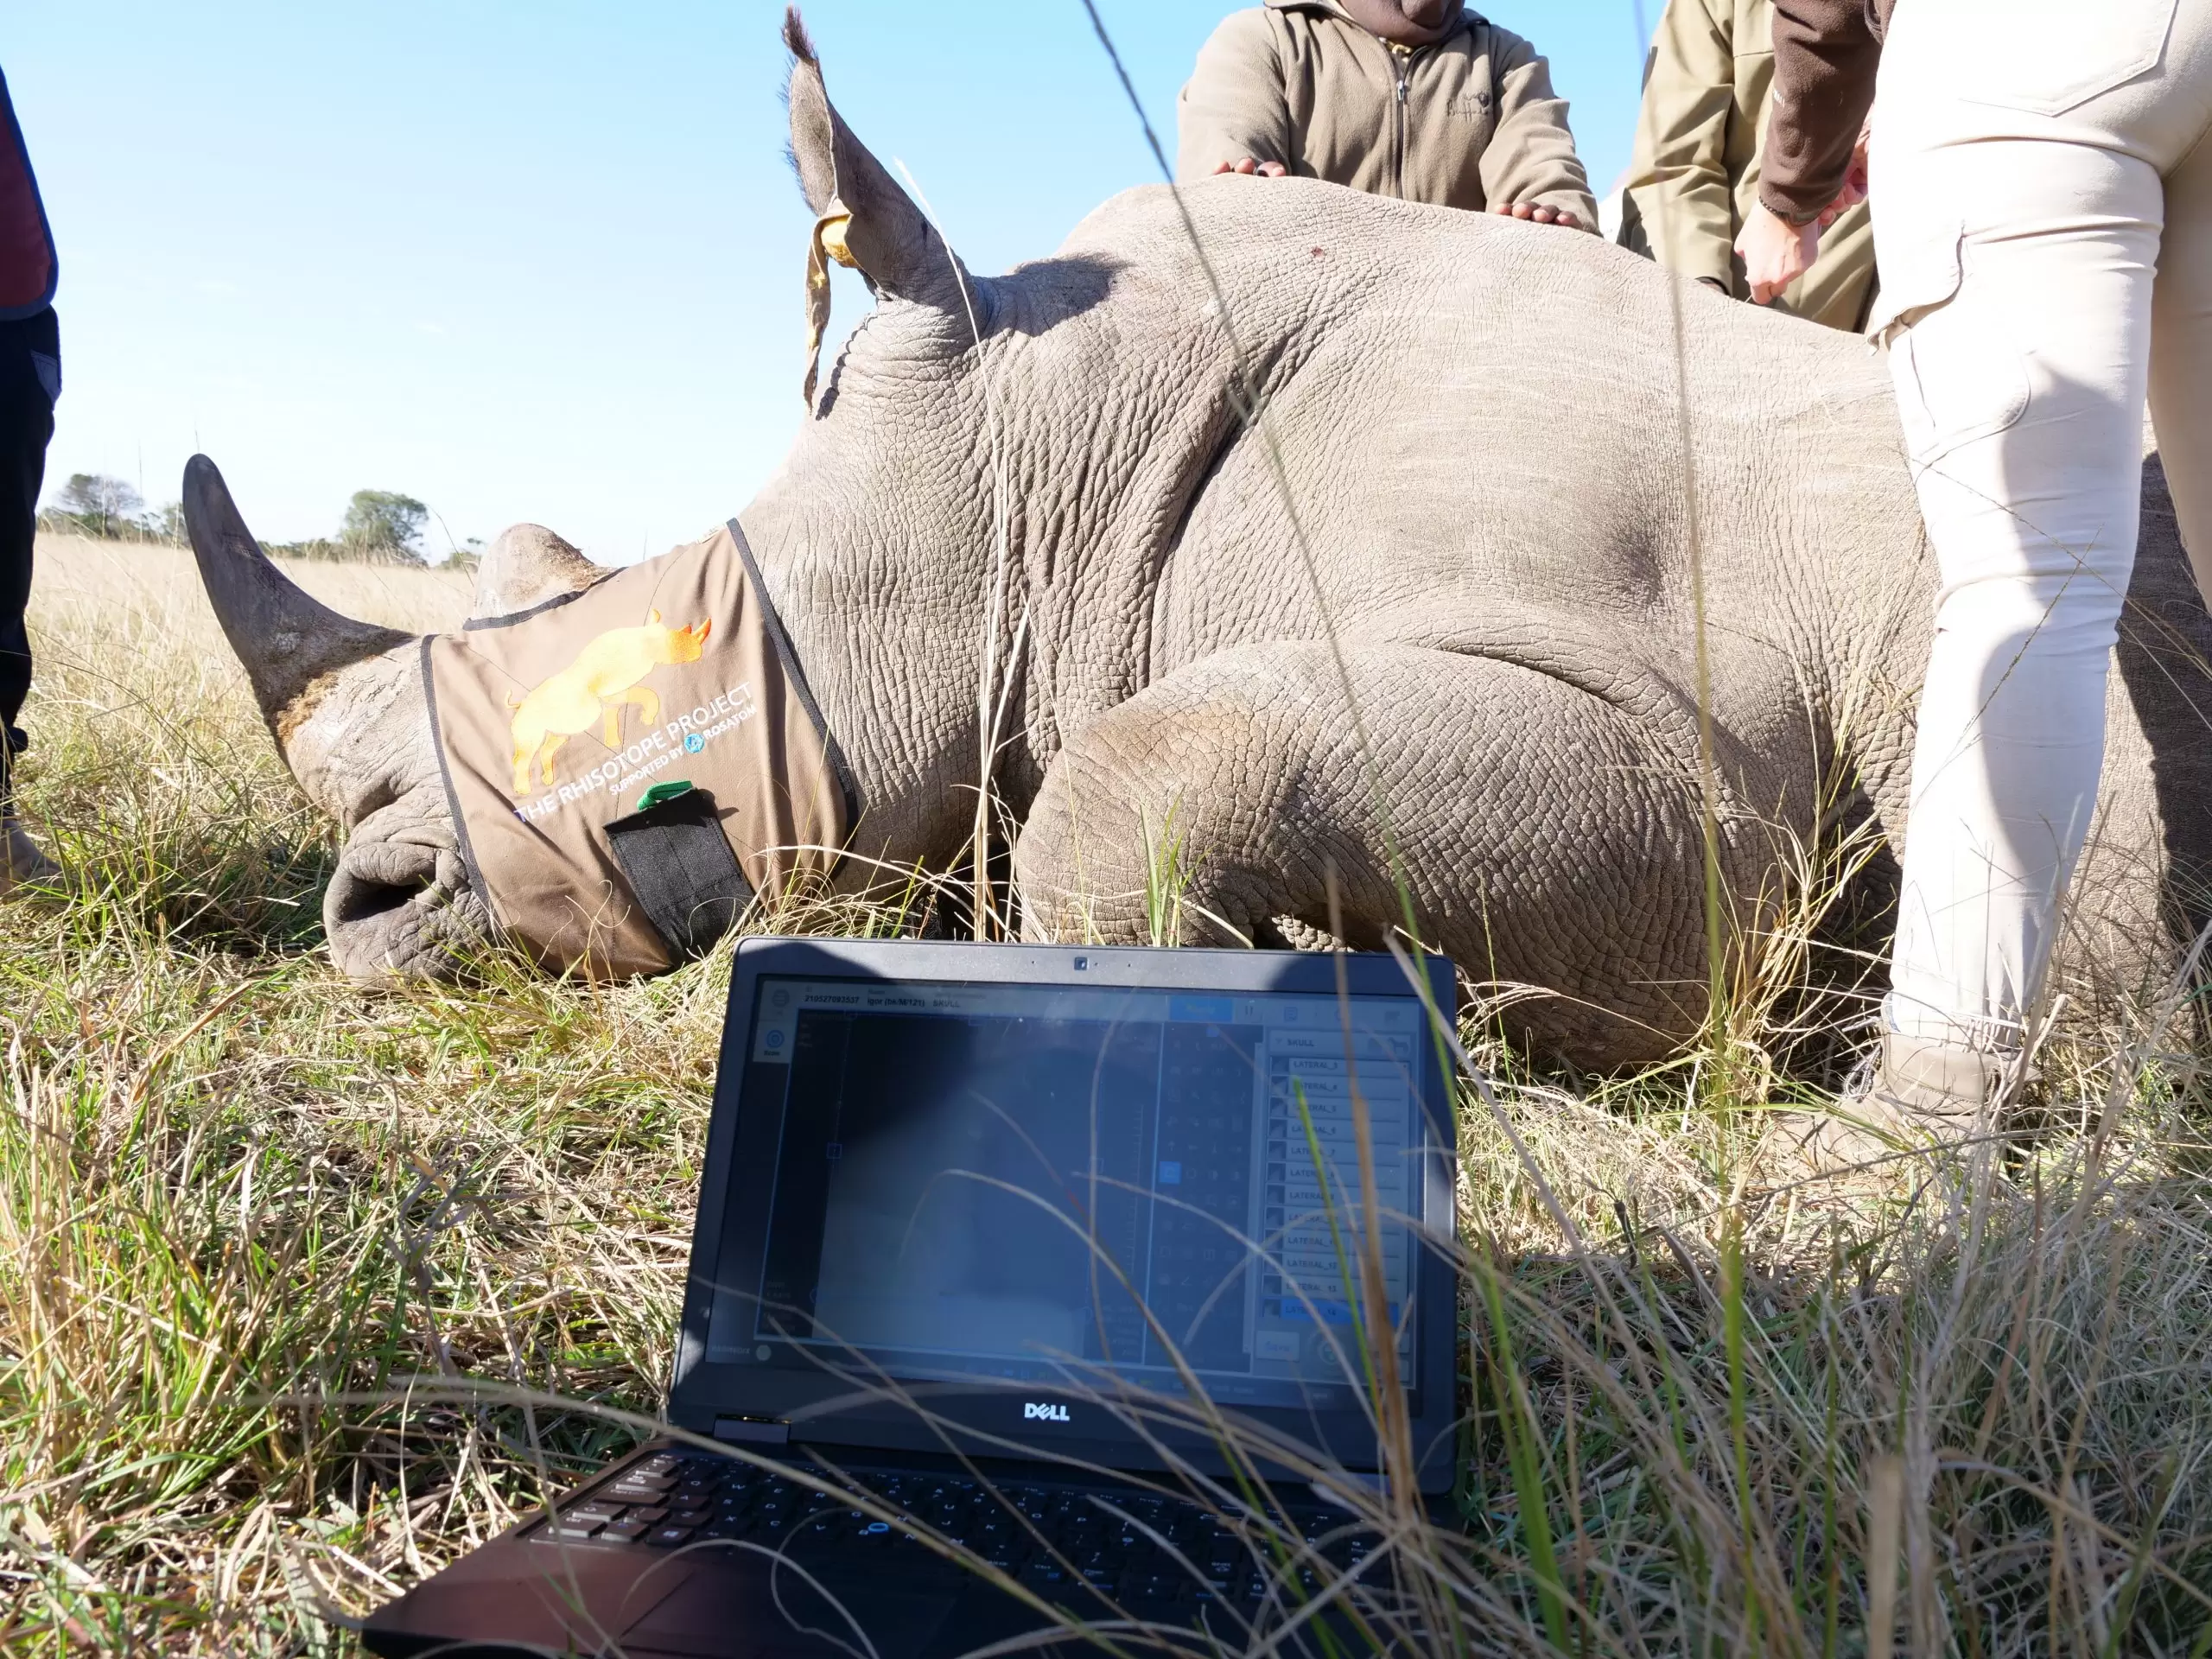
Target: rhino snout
[[401, 905]]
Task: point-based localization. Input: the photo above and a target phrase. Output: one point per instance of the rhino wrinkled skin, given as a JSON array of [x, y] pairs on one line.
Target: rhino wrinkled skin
[[1435, 616]]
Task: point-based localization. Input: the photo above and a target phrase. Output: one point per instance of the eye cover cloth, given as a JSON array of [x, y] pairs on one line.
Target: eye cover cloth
[[552, 723]]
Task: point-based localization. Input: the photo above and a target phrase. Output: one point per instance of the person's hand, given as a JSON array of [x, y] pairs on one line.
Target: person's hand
[[1536, 213], [1776, 253], [1260, 170]]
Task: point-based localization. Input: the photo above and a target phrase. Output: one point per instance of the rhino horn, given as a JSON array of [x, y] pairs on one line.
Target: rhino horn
[[290, 644], [527, 566]]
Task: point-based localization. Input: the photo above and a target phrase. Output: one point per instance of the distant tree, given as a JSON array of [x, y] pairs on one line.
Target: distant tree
[[382, 525], [165, 523], [100, 506]]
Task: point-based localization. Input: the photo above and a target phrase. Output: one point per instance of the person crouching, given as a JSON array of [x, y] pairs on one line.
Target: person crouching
[[1423, 100]]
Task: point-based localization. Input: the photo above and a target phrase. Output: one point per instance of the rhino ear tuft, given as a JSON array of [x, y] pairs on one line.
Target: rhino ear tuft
[[796, 37], [887, 239], [525, 566], [813, 136]]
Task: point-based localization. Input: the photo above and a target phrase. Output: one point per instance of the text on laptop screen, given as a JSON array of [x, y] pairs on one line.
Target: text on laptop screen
[[1003, 1180]]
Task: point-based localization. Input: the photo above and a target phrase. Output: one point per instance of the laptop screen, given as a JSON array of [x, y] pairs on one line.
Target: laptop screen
[[1022, 1182]]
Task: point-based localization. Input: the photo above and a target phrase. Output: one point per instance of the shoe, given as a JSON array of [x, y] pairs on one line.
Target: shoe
[[1925, 1094], [22, 865]]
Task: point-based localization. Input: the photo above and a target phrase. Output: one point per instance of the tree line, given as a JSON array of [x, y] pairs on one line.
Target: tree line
[[380, 526]]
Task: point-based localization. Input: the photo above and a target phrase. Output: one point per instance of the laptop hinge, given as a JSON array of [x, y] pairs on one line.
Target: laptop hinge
[[761, 1431]]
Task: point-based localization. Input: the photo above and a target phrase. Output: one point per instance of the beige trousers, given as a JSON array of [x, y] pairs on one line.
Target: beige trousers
[[2043, 211]]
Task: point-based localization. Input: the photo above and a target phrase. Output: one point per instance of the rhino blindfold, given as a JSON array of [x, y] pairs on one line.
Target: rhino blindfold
[[629, 765]]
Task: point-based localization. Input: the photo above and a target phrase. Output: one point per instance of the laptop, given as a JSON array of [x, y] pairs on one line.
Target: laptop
[[1028, 1285]]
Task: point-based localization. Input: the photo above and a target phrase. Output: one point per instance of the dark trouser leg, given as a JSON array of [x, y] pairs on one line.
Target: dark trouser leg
[[26, 390]]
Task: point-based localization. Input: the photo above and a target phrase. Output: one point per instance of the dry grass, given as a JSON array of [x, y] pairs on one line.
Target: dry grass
[[261, 1228]]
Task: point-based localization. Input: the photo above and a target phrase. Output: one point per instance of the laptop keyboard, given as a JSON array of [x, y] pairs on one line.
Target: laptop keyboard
[[1061, 1541]]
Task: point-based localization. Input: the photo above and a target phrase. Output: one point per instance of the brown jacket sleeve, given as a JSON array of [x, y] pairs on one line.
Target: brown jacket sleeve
[[1678, 176], [1233, 104], [1531, 155], [1826, 53]]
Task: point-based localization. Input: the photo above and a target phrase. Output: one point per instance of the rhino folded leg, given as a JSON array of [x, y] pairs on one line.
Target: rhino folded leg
[[1532, 831]]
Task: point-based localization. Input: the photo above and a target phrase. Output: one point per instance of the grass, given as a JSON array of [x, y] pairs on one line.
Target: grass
[[283, 1259]]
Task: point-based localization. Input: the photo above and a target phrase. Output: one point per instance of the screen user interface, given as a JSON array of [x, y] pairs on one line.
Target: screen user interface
[[1006, 1181]]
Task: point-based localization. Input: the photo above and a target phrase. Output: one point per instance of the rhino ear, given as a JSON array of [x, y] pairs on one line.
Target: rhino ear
[[884, 235], [525, 566]]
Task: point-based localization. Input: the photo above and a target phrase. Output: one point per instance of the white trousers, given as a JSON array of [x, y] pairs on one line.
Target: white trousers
[[2042, 213]]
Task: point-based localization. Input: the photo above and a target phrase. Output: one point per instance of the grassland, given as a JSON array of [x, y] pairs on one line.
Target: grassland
[[280, 1261]]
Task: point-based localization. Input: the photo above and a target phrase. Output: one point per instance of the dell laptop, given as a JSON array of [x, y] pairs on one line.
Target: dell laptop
[[1030, 1286]]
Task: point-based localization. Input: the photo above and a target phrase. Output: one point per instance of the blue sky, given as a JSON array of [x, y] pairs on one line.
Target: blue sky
[[544, 261]]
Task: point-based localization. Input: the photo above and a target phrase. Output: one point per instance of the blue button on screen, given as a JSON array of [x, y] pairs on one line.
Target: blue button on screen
[[1200, 1010]]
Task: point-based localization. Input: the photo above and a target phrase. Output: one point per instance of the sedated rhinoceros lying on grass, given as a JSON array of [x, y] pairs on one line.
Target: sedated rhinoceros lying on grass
[[1432, 626]]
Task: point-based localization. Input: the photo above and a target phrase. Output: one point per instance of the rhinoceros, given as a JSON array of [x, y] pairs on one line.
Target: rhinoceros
[[1357, 547]]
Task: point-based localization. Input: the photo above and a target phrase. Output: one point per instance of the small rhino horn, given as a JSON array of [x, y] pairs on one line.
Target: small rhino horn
[[525, 566], [286, 640]]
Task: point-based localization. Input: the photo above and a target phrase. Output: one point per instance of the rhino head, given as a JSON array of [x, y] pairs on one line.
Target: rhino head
[[344, 701], [875, 551]]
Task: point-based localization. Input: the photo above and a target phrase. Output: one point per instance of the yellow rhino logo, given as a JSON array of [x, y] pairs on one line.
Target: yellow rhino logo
[[602, 678]]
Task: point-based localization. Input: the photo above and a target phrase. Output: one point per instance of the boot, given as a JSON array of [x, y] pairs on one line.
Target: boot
[[22, 865], [1925, 1094]]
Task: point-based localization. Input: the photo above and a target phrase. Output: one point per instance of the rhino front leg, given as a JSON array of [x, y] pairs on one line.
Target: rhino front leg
[[1535, 833]]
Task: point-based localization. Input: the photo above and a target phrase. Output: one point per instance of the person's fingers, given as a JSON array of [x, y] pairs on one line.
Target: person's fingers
[[1274, 169], [1776, 253], [1542, 214], [1224, 167]]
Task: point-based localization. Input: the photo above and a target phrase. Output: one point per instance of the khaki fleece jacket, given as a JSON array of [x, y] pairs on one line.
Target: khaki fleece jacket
[[1695, 176], [1826, 54], [1470, 121]]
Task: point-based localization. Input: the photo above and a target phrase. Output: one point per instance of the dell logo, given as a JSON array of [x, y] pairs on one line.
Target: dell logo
[[1033, 1413]]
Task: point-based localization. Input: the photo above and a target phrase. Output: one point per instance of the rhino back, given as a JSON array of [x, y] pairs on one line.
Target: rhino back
[[1474, 441]]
